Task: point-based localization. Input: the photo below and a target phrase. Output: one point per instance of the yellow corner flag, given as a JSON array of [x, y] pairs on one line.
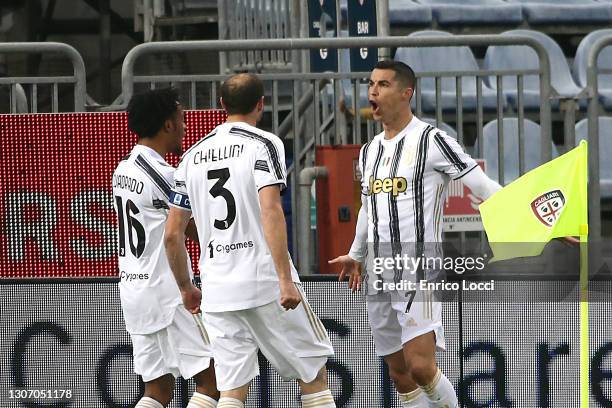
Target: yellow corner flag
[[548, 202]]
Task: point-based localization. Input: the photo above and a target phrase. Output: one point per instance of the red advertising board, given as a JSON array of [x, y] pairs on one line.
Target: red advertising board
[[56, 203]]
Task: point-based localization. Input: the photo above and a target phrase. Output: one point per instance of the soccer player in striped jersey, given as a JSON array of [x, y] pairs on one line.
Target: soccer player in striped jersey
[[252, 297], [167, 340], [405, 171]]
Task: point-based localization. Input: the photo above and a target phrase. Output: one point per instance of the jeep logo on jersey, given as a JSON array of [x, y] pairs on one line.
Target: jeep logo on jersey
[[393, 185], [547, 207]]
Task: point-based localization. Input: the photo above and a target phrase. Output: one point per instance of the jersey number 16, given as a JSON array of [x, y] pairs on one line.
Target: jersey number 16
[[132, 225]]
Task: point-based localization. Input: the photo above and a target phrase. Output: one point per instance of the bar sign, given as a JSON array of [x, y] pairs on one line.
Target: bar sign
[[362, 23]]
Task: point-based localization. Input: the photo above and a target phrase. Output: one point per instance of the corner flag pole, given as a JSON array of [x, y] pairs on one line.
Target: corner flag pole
[[584, 316]]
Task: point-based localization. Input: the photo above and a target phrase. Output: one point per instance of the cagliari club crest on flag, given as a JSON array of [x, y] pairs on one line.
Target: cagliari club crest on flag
[[548, 202], [548, 207]]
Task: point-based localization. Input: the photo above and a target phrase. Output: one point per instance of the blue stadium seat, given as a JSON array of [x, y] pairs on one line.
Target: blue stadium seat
[[532, 135], [524, 57], [605, 151], [566, 11], [445, 59], [408, 12], [604, 83], [401, 12], [474, 11]]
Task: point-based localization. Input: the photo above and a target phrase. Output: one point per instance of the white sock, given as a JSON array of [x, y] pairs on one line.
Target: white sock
[[322, 399], [227, 402], [413, 399], [440, 393], [199, 400], [146, 402]]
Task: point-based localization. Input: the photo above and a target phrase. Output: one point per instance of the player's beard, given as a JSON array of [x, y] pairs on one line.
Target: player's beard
[[178, 150]]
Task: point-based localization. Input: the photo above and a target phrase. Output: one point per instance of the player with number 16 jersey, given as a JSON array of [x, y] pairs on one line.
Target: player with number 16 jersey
[[167, 340]]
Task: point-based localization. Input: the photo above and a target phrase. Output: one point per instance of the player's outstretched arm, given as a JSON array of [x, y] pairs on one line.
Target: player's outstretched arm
[[275, 232], [359, 247], [480, 184], [174, 240]]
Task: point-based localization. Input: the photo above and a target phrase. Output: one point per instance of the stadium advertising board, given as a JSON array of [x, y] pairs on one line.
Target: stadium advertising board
[[70, 337], [58, 219]]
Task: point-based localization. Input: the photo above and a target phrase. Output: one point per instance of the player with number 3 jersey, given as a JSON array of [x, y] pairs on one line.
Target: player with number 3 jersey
[[228, 167], [230, 181]]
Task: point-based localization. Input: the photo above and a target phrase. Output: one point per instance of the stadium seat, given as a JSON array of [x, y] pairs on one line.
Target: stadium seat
[[445, 59], [605, 151], [474, 11], [532, 150], [524, 57], [401, 12], [566, 11], [408, 12], [604, 83]]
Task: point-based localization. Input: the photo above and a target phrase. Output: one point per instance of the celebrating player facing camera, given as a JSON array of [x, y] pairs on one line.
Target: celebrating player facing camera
[[230, 181], [404, 174]]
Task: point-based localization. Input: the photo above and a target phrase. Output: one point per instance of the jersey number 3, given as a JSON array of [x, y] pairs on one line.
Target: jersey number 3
[[132, 225], [222, 175]]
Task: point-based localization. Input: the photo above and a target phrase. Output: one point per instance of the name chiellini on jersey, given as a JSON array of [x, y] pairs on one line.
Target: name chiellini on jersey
[[218, 180], [141, 188]]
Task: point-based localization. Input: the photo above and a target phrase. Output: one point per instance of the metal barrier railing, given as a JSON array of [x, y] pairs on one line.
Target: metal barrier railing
[[78, 78], [308, 96], [594, 110], [265, 19]]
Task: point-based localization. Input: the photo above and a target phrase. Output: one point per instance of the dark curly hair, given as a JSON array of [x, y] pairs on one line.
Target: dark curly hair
[[148, 111]]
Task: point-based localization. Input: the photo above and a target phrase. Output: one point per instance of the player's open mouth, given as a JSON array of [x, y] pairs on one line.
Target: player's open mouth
[[374, 106]]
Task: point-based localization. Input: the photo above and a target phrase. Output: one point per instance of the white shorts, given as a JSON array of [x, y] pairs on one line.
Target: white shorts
[[294, 341], [181, 349], [392, 327]]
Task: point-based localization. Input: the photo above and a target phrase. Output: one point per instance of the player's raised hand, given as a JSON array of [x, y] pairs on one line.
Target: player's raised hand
[[570, 241], [350, 267], [474, 201], [290, 296], [192, 298]]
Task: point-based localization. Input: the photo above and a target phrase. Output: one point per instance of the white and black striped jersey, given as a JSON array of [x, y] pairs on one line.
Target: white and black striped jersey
[[141, 189], [405, 180], [218, 179]]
